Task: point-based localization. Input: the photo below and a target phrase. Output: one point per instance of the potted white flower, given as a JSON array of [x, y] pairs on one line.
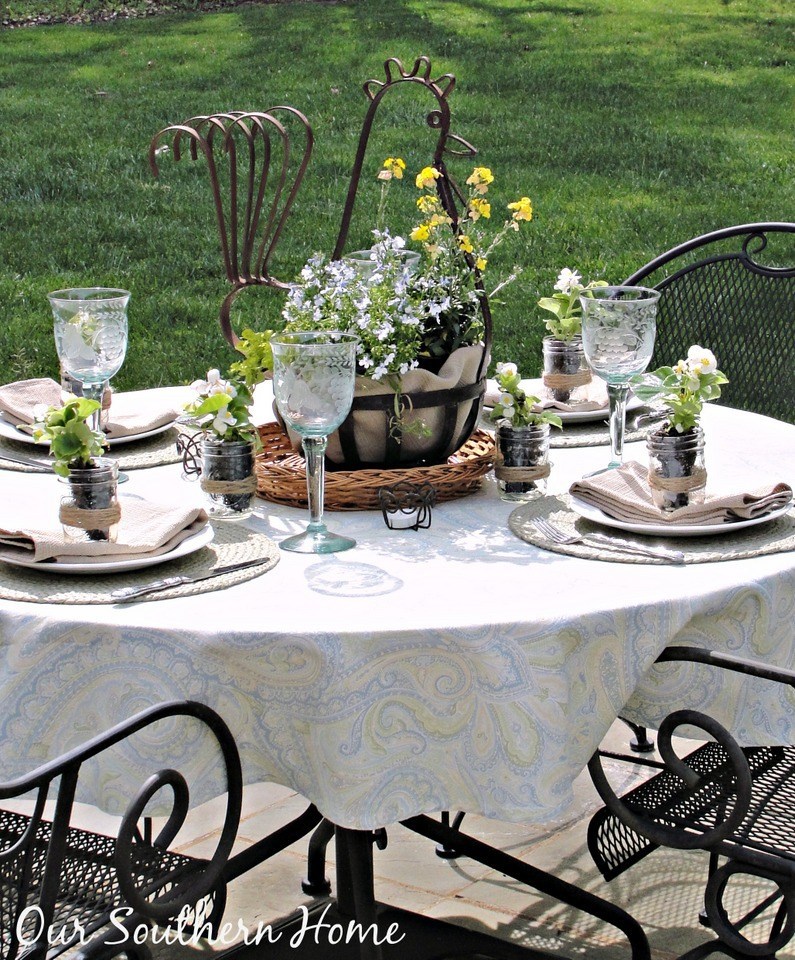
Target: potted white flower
[[566, 373], [91, 509], [228, 443], [521, 463], [677, 474]]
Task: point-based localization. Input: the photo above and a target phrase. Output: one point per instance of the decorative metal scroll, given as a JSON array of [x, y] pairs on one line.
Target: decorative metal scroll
[[447, 144], [263, 181]]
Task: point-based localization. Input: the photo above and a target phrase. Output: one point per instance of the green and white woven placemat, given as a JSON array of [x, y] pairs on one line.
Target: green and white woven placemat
[[777, 536]]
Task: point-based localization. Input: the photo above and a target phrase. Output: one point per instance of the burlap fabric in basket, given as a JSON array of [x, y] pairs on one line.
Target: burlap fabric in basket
[[281, 474], [371, 427]]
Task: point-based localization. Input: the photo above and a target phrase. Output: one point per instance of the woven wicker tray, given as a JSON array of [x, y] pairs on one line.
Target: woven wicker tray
[[281, 474]]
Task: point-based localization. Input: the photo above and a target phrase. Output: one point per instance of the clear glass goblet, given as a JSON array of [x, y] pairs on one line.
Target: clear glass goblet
[[90, 337], [313, 380], [618, 329]]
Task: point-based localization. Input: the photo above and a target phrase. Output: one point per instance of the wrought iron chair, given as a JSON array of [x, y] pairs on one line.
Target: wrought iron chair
[[737, 803], [732, 290], [59, 884]]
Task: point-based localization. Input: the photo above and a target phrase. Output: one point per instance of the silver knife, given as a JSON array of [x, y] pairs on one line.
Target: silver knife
[[661, 553], [41, 463], [133, 593]]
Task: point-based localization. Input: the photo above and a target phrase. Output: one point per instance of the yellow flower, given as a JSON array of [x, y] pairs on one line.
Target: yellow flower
[[480, 263], [395, 166], [427, 178], [478, 207], [480, 178], [522, 209], [465, 243], [428, 202], [421, 232], [437, 219]]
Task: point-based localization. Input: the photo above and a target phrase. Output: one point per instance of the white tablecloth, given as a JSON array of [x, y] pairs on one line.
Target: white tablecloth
[[450, 668]]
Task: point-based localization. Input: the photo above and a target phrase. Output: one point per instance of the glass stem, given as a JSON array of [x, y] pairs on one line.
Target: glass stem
[[617, 398], [314, 451], [95, 391]]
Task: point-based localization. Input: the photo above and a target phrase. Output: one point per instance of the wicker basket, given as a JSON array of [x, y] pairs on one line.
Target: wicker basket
[[281, 474]]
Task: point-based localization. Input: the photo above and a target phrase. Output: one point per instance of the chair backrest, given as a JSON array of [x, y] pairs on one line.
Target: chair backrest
[[719, 293], [255, 174]]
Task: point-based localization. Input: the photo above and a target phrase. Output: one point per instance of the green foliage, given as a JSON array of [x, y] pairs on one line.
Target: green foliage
[[564, 305], [516, 406], [73, 444], [223, 408], [625, 156], [683, 389], [257, 357]]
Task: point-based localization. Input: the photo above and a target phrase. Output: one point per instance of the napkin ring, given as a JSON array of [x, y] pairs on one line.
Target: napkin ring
[[407, 506]]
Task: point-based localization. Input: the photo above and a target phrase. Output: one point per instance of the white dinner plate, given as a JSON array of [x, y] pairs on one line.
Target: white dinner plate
[[534, 388], [590, 512], [12, 433], [189, 545]]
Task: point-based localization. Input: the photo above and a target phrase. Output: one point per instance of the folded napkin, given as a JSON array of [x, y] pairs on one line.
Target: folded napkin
[[130, 413], [32, 531], [596, 396], [625, 494]]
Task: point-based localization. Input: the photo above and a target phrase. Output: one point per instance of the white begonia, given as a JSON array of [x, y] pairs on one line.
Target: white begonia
[[506, 369], [703, 357], [222, 420], [567, 279]]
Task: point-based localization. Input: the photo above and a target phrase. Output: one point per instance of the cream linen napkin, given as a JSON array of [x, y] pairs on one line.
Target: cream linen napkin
[[625, 494], [130, 413], [145, 529], [596, 395]]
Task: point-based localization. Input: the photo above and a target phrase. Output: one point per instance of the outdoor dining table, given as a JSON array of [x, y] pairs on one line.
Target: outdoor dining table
[[451, 668]]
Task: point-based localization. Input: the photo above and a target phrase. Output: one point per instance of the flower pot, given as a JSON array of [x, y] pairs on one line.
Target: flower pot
[[433, 416], [227, 478], [90, 510], [521, 462], [566, 372], [677, 475]]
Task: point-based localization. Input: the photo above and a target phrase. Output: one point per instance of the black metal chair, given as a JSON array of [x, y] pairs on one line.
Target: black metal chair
[[59, 885], [737, 803], [733, 291]]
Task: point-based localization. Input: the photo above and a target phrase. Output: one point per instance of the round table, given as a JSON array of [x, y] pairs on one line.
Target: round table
[[451, 668]]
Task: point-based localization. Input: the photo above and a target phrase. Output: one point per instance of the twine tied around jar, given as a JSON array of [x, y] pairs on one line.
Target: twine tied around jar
[[246, 485], [695, 481], [566, 381], [521, 474], [89, 519]]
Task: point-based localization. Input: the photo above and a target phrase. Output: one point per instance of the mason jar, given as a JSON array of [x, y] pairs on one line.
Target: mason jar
[[566, 372], [227, 478], [90, 510], [677, 474], [521, 461]]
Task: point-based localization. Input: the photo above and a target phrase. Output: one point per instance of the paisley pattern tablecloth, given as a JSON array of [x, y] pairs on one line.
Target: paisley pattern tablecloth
[[451, 668]]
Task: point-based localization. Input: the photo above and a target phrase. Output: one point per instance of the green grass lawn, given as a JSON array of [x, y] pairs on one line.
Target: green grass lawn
[[632, 125]]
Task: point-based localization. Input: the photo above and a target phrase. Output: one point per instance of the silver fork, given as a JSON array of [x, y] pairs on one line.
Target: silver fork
[[548, 530]]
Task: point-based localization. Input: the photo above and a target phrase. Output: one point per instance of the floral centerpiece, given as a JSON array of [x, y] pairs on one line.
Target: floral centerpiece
[[227, 444], [677, 474], [522, 437], [421, 328], [91, 509], [566, 372]]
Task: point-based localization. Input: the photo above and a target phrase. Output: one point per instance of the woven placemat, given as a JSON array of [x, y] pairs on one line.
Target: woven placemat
[[777, 536], [281, 474], [154, 451], [232, 543]]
